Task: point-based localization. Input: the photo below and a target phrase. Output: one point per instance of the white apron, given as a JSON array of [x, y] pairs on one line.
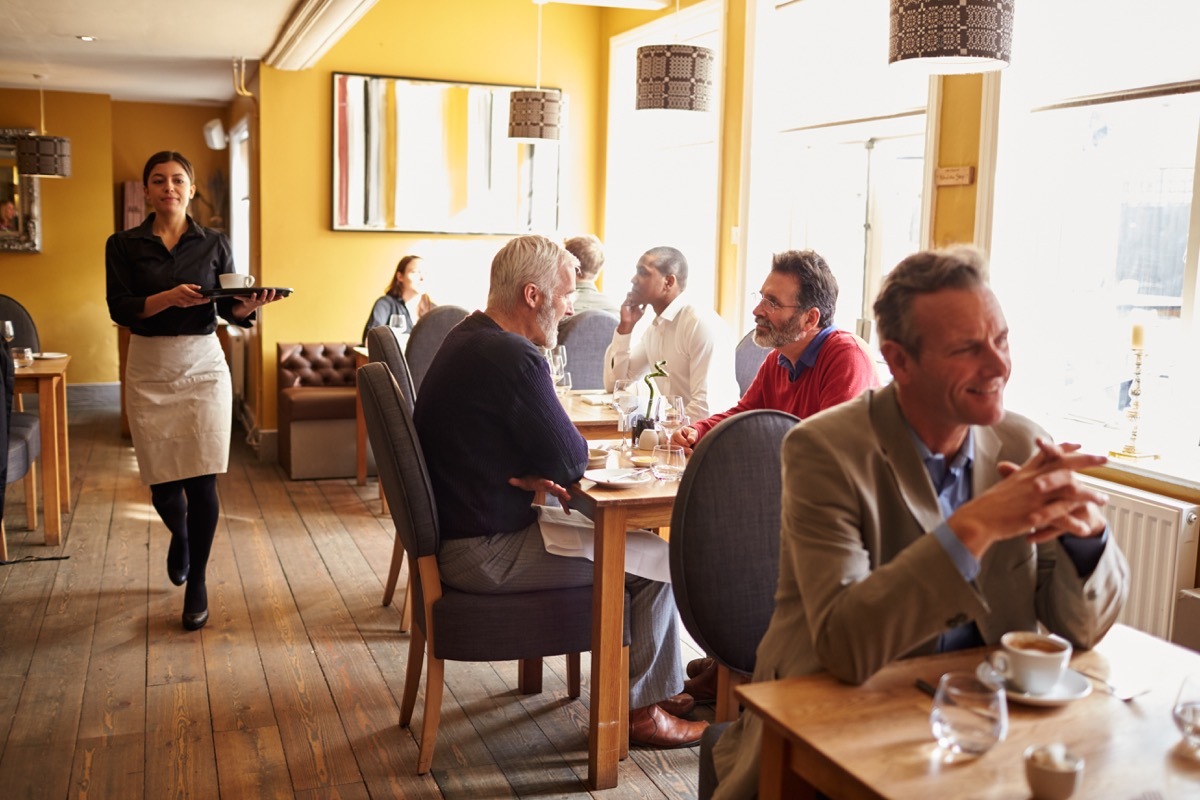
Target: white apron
[[180, 406]]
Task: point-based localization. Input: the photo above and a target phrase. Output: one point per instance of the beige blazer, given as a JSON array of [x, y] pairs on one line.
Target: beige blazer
[[860, 582]]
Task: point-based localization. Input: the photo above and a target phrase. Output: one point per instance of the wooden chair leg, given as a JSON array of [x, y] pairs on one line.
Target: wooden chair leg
[[434, 683], [727, 703], [3, 543], [573, 675], [412, 676], [623, 722], [389, 588], [31, 512], [406, 614], [529, 676]]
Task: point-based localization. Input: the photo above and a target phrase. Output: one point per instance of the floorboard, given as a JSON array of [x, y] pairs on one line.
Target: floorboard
[[293, 688]]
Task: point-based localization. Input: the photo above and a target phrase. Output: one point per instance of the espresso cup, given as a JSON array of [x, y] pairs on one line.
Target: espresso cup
[[235, 280], [1033, 662], [1053, 772]]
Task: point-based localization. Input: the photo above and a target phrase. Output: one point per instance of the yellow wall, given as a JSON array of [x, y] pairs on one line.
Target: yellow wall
[[63, 286], [338, 275], [958, 146]]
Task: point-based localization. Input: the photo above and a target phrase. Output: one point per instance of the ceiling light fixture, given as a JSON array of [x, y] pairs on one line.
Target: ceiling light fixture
[[675, 76], [646, 5], [86, 38], [42, 156], [536, 113], [951, 37]]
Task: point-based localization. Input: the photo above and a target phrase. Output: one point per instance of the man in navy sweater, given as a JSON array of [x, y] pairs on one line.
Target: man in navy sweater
[[494, 433]]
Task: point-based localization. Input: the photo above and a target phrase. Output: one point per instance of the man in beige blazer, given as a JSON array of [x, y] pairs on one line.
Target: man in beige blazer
[[921, 517]]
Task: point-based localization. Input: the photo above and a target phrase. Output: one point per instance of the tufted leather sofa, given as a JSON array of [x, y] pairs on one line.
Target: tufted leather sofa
[[316, 410]]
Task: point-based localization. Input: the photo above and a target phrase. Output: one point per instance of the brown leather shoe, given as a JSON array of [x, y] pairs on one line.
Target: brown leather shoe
[[703, 687], [698, 665], [677, 706], [650, 726]]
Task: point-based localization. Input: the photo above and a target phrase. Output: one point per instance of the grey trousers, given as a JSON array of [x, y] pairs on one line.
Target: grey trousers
[[518, 562]]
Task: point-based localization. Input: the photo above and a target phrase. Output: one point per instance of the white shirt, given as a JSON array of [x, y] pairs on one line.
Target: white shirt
[[698, 348]]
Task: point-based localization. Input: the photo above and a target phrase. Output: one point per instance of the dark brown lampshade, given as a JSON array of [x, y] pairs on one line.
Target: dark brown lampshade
[[535, 114], [675, 76], [44, 156], [952, 36]]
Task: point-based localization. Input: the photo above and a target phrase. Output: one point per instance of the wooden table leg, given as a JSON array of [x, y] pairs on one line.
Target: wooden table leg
[[64, 461], [48, 418], [776, 780], [608, 607]]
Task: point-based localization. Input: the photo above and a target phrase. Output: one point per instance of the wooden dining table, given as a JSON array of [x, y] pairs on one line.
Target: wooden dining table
[[48, 378], [613, 512], [874, 741], [593, 421]]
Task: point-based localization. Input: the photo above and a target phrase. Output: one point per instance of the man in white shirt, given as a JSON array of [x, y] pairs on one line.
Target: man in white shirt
[[695, 343]]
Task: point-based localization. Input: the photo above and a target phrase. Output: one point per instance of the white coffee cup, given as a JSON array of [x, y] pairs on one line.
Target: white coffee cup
[[236, 280], [1034, 662]]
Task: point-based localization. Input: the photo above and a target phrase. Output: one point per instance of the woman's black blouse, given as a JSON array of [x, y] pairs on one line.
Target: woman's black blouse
[[138, 265]]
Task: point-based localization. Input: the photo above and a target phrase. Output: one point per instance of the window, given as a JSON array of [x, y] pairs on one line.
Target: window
[[837, 162], [1094, 228], [661, 186]]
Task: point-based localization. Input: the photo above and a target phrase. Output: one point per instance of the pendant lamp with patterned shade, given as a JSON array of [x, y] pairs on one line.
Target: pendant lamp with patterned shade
[[42, 156], [536, 113], [675, 76], [952, 36]]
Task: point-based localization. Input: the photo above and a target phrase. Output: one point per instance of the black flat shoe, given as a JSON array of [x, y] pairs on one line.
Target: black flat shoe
[[195, 606], [177, 560]]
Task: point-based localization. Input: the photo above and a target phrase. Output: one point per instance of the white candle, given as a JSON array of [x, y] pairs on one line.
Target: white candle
[[1139, 337]]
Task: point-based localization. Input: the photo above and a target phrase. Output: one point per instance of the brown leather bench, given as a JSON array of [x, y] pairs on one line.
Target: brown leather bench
[[316, 410]]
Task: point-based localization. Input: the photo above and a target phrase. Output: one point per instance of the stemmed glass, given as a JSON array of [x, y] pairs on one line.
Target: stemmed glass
[[557, 357], [1187, 711], [7, 328], [625, 400], [668, 413]]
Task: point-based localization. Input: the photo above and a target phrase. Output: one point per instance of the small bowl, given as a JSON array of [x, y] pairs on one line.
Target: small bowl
[[597, 458], [643, 461], [1053, 771]]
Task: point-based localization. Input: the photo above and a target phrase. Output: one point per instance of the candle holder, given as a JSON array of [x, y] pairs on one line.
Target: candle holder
[[1129, 451]]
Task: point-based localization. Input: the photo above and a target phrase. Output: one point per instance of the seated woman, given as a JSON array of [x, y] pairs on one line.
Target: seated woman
[[404, 297]]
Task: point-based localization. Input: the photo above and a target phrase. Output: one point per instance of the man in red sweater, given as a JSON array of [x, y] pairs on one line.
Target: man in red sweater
[[813, 366]]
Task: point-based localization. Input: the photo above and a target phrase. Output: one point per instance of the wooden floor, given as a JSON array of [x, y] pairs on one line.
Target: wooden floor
[[293, 688]]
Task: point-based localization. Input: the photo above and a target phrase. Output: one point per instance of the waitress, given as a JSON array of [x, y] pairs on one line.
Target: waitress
[[177, 386]]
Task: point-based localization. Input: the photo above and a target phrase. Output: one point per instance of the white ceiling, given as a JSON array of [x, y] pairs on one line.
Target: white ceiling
[[168, 51]]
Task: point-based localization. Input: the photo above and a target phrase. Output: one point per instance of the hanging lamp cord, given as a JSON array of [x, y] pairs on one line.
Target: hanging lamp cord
[[539, 46]]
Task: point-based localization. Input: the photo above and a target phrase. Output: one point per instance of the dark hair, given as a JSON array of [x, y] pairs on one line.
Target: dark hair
[[590, 252], [818, 287], [669, 261], [924, 273], [162, 157]]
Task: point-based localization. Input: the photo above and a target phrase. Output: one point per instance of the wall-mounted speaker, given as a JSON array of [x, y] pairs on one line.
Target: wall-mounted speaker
[[214, 134]]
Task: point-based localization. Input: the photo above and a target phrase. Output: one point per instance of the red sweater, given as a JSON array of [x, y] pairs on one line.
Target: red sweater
[[842, 371]]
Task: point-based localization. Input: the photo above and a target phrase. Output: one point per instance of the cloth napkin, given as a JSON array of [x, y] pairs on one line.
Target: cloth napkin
[[646, 554]]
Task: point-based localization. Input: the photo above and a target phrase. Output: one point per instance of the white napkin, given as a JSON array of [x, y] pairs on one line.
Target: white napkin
[[646, 555], [597, 399]]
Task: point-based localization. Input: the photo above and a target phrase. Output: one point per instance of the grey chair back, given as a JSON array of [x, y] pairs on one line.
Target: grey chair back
[[25, 332], [383, 346], [586, 336], [401, 467], [747, 358], [724, 548], [426, 338]]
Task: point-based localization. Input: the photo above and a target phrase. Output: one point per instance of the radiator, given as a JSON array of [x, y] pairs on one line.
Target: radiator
[[1158, 536]]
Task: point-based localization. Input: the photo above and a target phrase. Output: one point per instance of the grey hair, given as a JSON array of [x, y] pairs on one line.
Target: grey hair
[[526, 259], [921, 273]]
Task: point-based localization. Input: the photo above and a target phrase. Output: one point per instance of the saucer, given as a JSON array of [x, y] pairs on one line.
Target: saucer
[[619, 478], [49, 355], [1071, 686]]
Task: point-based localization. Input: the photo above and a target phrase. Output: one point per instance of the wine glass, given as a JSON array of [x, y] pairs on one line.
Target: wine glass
[[625, 400], [7, 328], [560, 352], [558, 363], [969, 716], [1187, 711], [668, 413]]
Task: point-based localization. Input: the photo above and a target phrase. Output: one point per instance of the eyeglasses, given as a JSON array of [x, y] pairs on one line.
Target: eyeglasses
[[770, 302]]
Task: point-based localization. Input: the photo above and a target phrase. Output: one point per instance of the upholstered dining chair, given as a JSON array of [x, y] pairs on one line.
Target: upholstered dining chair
[[426, 338], [24, 330], [747, 358], [382, 346], [447, 623], [586, 336], [724, 547]]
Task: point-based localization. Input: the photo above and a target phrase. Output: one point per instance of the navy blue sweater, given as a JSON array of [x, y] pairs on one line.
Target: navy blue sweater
[[486, 412]]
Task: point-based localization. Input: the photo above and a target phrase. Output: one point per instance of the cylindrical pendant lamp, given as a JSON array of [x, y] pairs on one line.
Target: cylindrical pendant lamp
[[675, 76], [952, 36], [535, 114], [44, 156]]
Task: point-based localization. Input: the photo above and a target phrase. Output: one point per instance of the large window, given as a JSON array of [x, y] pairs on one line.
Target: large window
[[1095, 224], [837, 162]]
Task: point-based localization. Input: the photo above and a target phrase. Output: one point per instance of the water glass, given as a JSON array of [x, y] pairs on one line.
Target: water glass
[[625, 400], [563, 386], [669, 462], [398, 323], [22, 356], [968, 715], [1187, 711]]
